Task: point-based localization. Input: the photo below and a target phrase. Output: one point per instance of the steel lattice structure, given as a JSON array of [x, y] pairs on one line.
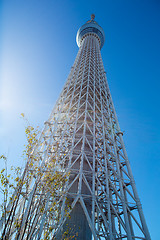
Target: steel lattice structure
[[83, 135]]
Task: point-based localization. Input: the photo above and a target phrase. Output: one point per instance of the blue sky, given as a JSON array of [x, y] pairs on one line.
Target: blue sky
[[37, 50]]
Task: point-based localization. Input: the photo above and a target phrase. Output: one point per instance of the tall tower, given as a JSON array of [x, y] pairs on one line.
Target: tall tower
[[82, 134]]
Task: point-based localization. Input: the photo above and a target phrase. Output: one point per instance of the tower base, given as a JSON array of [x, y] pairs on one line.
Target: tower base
[[76, 226]]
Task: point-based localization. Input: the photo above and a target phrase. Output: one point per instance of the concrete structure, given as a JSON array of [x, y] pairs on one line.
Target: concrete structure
[[84, 137]]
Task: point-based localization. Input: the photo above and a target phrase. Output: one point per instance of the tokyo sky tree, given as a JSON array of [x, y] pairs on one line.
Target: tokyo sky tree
[[83, 135]]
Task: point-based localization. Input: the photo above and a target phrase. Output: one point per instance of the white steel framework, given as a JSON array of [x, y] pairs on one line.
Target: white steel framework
[[83, 135]]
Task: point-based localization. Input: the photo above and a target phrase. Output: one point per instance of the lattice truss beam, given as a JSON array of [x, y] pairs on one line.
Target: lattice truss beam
[[83, 135]]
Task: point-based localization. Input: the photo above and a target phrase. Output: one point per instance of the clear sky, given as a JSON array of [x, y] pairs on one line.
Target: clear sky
[[37, 50]]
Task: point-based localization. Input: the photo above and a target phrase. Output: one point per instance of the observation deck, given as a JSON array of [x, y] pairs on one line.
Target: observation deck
[[90, 27]]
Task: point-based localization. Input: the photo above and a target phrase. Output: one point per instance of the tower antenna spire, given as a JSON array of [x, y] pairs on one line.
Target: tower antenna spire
[[92, 16]]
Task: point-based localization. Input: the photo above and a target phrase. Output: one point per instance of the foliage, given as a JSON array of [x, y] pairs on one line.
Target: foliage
[[32, 195]]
